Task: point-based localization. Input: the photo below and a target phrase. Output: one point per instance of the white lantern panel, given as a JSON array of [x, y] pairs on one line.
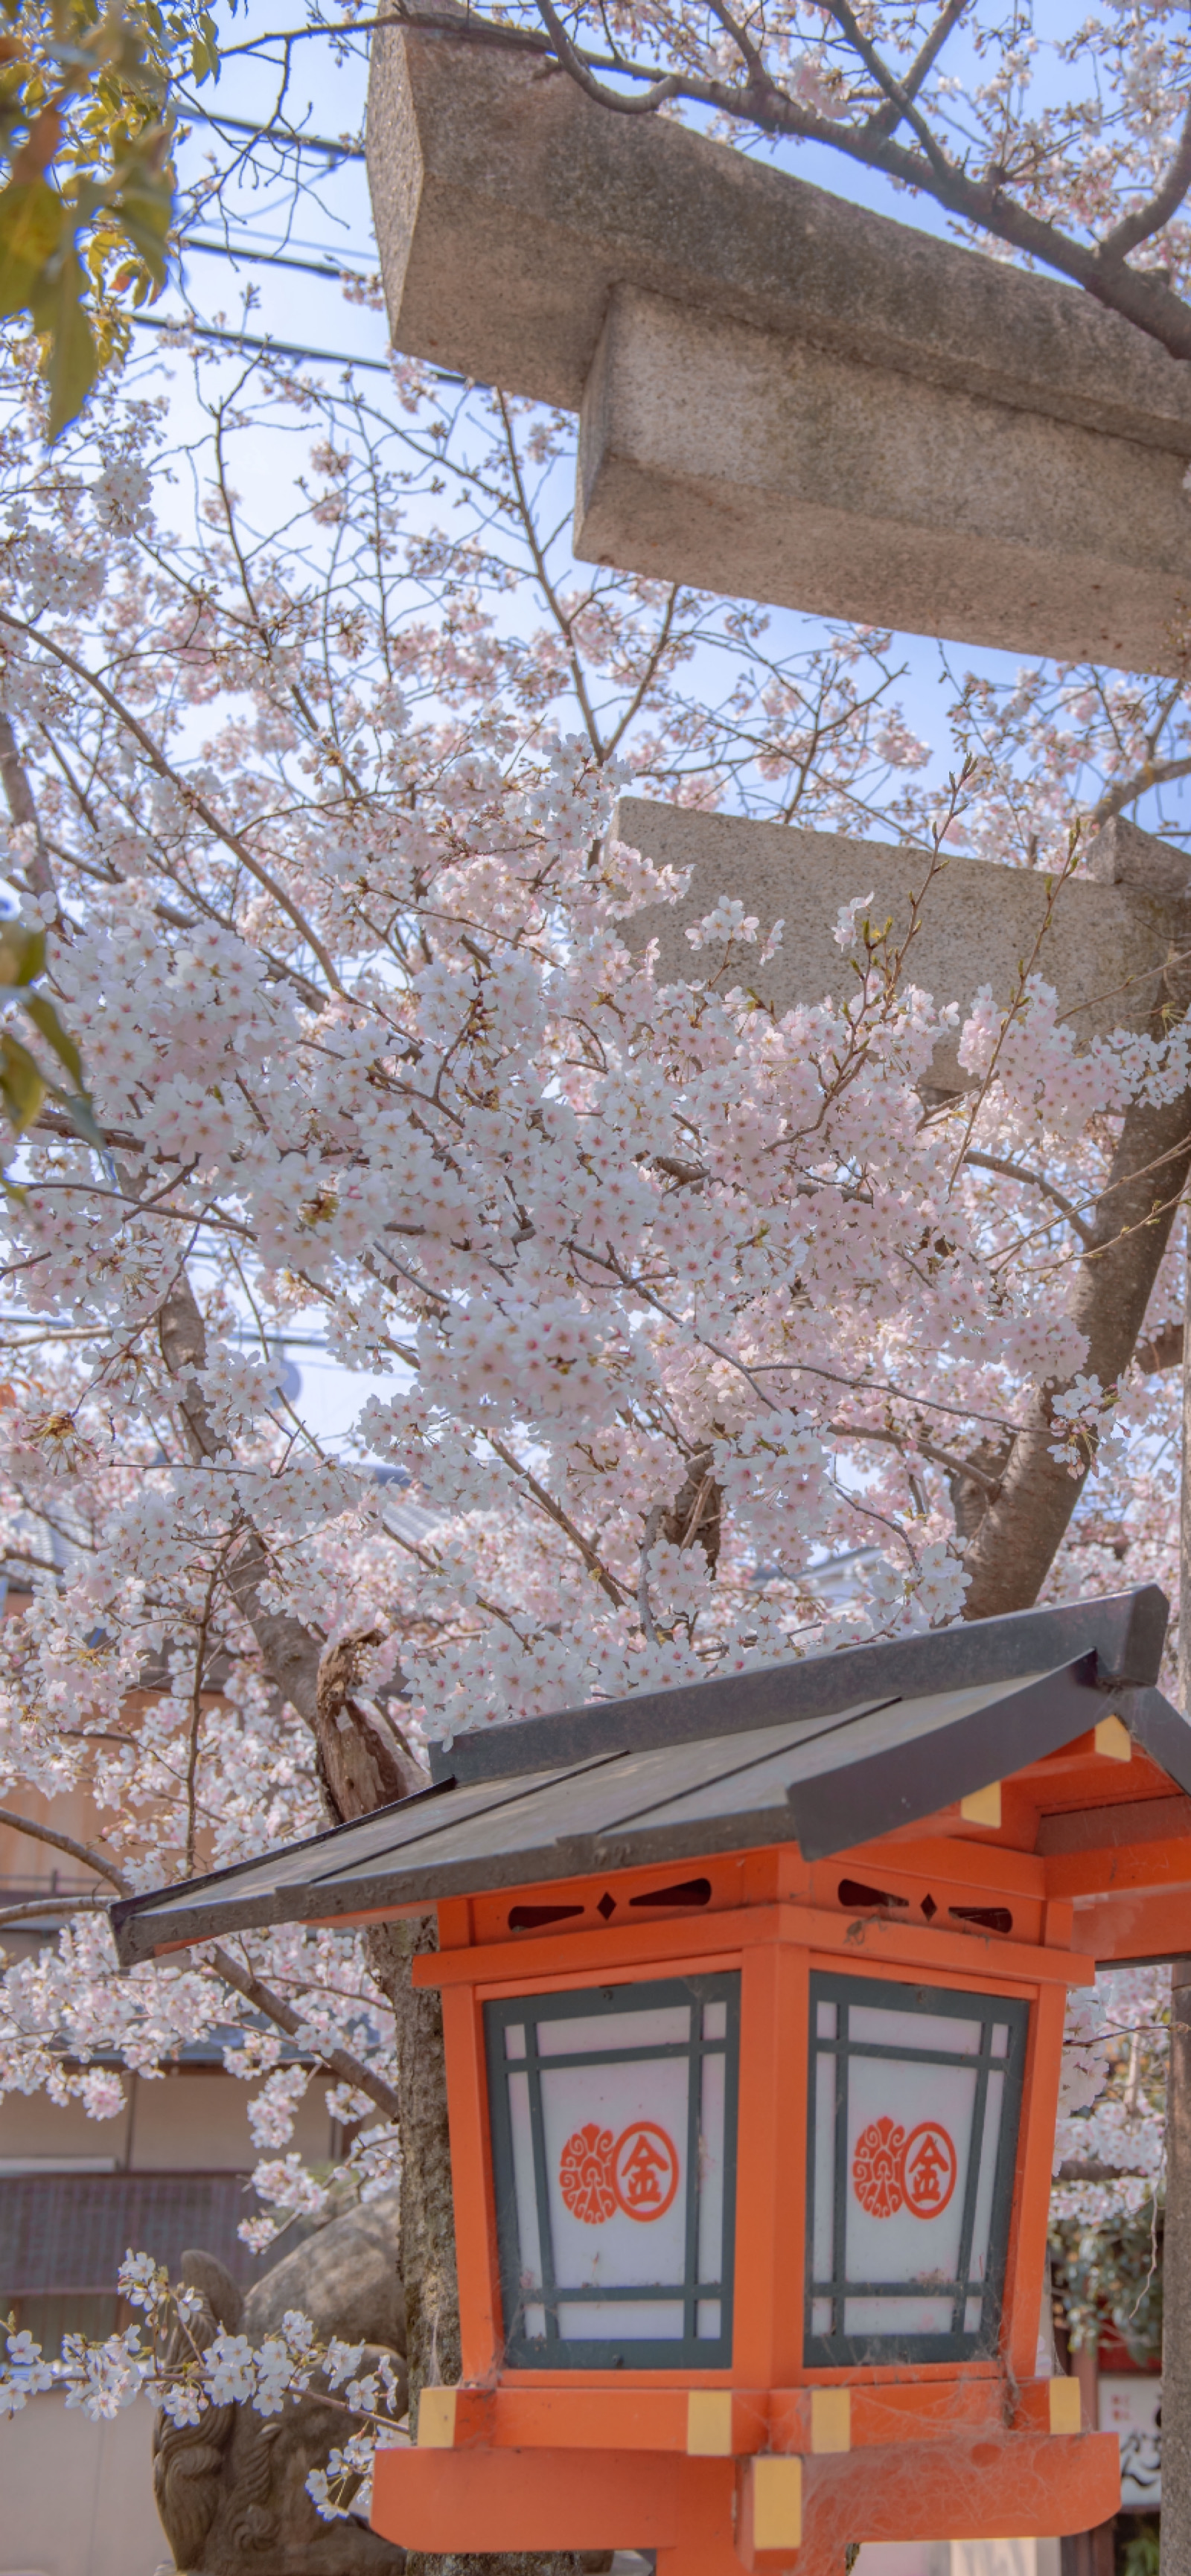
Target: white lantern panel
[[616, 2155], [613, 2126], [993, 2110], [919, 2316], [523, 2177], [909, 2136], [621, 2321], [823, 2188], [668, 2028], [874, 2024], [711, 2163], [915, 2096]]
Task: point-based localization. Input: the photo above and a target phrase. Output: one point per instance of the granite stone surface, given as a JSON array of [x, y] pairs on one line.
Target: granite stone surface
[[763, 466], [783, 395], [1102, 950]]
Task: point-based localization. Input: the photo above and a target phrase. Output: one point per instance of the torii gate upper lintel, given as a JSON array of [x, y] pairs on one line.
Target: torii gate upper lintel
[[783, 395]]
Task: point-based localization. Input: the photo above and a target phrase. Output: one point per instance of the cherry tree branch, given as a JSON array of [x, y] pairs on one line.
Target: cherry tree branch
[[1140, 296], [39, 1833], [1012, 1171], [1167, 198], [243, 1980], [22, 806], [190, 796], [338, 2061]]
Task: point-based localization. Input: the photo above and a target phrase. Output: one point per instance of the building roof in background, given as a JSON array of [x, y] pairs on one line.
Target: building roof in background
[[63, 2232]]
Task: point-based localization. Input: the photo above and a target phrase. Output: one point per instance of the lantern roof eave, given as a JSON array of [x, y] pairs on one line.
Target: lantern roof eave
[[799, 1753]]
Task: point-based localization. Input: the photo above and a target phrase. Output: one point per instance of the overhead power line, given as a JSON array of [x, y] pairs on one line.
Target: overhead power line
[[277, 348], [265, 348], [271, 259], [286, 138]]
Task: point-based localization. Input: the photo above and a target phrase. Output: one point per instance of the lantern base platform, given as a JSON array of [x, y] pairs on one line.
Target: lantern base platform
[[698, 2514]]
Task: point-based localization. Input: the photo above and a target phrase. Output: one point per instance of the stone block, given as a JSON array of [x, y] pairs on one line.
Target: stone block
[[784, 395], [764, 466], [1103, 950]]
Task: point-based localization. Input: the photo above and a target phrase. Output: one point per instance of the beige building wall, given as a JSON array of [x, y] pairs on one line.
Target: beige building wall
[[76, 2499], [192, 2121]]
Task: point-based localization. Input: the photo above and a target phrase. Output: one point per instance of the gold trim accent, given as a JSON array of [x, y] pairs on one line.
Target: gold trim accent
[[777, 2502], [831, 2419], [983, 1807], [709, 2423], [436, 2419], [1066, 2412]]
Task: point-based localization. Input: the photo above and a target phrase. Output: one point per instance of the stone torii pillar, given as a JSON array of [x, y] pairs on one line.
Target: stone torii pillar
[[782, 395]]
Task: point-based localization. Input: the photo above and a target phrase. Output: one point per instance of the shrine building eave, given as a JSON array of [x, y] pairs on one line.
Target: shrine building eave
[[827, 1753]]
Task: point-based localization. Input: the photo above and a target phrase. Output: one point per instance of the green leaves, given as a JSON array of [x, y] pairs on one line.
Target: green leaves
[[144, 210], [204, 51], [22, 955], [70, 361], [32, 218], [88, 202], [23, 1085], [22, 1089]]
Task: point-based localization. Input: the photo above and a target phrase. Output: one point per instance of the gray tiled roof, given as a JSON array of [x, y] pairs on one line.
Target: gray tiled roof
[[61, 2232], [828, 1752]]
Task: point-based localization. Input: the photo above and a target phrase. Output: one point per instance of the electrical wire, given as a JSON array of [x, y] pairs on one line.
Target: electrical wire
[[270, 259], [277, 348], [265, 348], [289, 142]]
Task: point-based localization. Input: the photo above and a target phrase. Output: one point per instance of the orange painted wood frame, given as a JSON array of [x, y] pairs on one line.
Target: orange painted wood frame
[[774, 1946], [981, 2486]]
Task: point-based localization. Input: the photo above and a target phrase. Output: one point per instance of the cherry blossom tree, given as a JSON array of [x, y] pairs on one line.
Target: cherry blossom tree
[[665, 1302]]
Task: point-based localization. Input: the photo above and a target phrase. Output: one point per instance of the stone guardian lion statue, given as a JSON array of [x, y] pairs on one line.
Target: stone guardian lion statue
[[231, 2489]]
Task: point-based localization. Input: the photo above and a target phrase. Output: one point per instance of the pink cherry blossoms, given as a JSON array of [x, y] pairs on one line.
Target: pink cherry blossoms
[[663, 1303]]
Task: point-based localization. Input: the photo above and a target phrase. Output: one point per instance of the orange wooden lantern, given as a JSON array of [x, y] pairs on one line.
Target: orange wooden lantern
[[753, 1995]]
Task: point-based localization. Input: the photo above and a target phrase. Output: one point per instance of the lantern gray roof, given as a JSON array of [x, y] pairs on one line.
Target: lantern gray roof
[[828, 1752]]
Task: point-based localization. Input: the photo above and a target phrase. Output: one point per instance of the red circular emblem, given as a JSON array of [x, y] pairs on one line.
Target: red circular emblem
[[929, 2167], [644, 2169], [639, 2173], [877, 2168], [891, 2171], [585, 2174]]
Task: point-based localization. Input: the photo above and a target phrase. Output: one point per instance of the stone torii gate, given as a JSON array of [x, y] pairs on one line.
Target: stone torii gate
[[782, 395], [1103, 946], [786, 396]]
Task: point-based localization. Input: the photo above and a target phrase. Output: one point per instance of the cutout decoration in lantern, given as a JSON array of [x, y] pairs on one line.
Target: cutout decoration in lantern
[[753, 1996]]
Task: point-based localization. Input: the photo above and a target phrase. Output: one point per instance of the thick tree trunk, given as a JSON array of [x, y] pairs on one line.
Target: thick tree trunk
[[362, 1766], [427, 2213], [428, 2219], [1013, 1547], [1176, 2289], [1176, 2269]]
